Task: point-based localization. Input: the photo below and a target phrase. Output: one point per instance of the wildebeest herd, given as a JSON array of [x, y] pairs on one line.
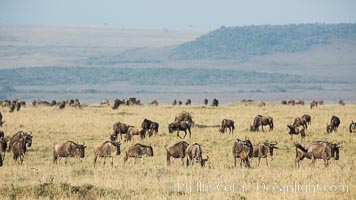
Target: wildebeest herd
[[193, 153]]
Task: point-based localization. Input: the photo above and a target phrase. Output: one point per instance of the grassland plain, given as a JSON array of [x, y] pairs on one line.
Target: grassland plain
[[39, 178]]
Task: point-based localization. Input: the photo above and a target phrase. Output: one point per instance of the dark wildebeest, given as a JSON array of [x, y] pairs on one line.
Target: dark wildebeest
[[106, 149], [227, 123], [68, 149], [154, 102], [215, 103], [53, 103], [263, 150], [334, 124], [3, 146], [284, 102], [352, 127], [180, 126], [313, 104], [176, 150], [341, 102], [19, 149], [260, 120], [317, 150], [180, 103], [194, 154], [321, 102], [299, 102], [188, 102], [19, 135], [117, 103], [1, 122], [62, 105], [138, 151], [295, 130], [150, 126], [291, 102], [206, 101], [135, 131], [299, 121], [12, 106], [18, 105], [243, 150], [77, 104], [307, 118], [119, 128], [174, 102]]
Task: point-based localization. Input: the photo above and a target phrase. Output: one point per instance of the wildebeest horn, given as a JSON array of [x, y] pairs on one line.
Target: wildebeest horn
[[207, 157]]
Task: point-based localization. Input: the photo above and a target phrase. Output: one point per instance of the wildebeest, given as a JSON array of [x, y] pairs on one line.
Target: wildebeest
[[341, 102], [334, 124], [180, 126], [135, 131], [317, 150], [263, 150], [176, 150], [299, 102], [19, 149], [243, 150], [105, 102], [291, 102], [184, 117], [174, 102], [12, 106], [53, 103], [260, 120], [106, 149], [284, 102], [154, 102], [227, 123], [117, 103], [3, 146], [215, 103], [206, 101], [20, 135], [299, 121], [188, 102], [18, 105], [313, 104], [68, 149], [352, 127], [194, 154], [150, 127], [62, 105], [120, 128], [261, 104], [138, 151], [321, 102], [307, 118], [295, 130], [1, 122], [77, 104], [180, 103]]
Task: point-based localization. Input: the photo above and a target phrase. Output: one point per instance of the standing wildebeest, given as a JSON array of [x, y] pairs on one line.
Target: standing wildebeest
[[243, 150], [313, 104], [150, 126], [3, 146], [138, 151], [176, 150], [1, 122], [341, 102], [105, 102], [317, 150], [68, 149], [334, 124], [307, 118], [184, 117], [291, 102], [119, 128], [154, 102], [321, 102], [180, 103], [180, 126], [188, 102], [194, 153], [260, 120], [19, 149], [295, 130], [284, 102], [215, 103], [299, 102], [352, 127], [174, 102], [18, 105], [62, 105], [299, 121], [227, 123], [263, 150], [12, 106], [135, 131], [53, 103], [106, 149], [117, 103], [206, 101], [19, 135]]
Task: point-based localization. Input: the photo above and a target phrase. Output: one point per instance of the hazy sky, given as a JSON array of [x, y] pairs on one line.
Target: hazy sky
[[174, 14]]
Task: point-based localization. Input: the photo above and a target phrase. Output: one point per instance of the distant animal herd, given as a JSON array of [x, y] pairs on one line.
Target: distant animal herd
[[244, 150]]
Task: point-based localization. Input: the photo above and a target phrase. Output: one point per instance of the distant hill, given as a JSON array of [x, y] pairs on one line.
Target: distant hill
[[242, 42]]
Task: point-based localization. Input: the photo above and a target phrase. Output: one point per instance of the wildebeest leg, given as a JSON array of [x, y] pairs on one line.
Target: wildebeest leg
[[95, 158], [142, 161], [65, 162], [185, 133], [259, 160], [235, 162], [190, 133], [182, 159], [266, 161], [262, 129], [178, 134]]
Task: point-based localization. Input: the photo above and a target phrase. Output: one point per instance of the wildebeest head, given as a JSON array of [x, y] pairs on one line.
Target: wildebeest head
[[113, 137], [117, 145], [271, 147], [291, 129], [80, 150], [329, 128], [172, 127], [148, 151], [335, 148], [203, 161], [249, 144], [28, 139]]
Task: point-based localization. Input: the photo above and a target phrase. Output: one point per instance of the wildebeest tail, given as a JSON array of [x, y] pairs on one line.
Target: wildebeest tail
[[271, 123], [298, 146]]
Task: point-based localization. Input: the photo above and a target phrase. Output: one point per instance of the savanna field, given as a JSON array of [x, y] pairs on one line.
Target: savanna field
[[39, 178]]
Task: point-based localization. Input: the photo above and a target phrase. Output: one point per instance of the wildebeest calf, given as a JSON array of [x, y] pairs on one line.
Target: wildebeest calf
[[135, 131]]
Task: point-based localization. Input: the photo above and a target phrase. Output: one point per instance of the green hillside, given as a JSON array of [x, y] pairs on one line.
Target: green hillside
[[242, 42]]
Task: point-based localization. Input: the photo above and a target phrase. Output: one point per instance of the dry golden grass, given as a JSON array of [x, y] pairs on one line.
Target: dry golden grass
[[40, 178]]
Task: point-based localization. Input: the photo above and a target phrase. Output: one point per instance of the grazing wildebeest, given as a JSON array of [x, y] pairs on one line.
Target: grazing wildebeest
[[154, 102], [106, 149], [62, 105], [53, 103], [291, 102], [105, 102], [176, 150], [299, 121], [150, 126], [341, 102], [260, 120], [135, 131], [352, 127], [334, 124], [77, 104], [243, 150], [317, 150], [117, 103], [1, 122], [321, 102], [299, 102], [313, 104], [215, 103], [138, 151], [3, 146], [261, 104], [295, 130], [206, 101], [19, 149], [20, 135], [120, 128], [180, 126], [180, 103], [174, 102], [307, 118], [263, 150], [194, 154], [284, 102], [184, 117], [188, 102], [68, 149], [227, 123]]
